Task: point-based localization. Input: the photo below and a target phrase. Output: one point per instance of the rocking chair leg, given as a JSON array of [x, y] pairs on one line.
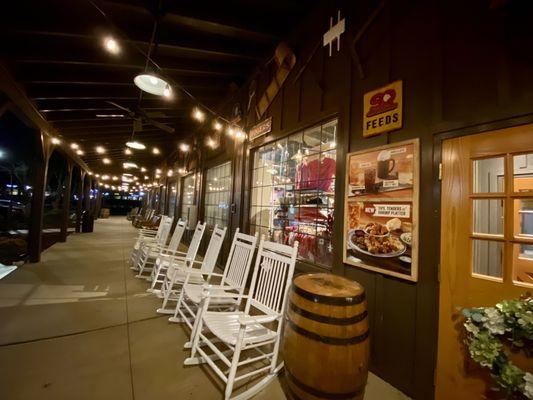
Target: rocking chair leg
[[234, 362]]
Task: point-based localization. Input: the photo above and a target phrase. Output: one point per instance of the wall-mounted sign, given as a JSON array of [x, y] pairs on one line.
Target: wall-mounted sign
[[383, 109], [381, 224], [262, 128], [334, 33]]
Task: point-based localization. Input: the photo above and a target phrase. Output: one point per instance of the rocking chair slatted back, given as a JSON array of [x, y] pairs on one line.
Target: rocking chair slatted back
[[213, 249], [239, 259], [177, 235], [165, 230], [195, 241], [161, 226], [274, 268]]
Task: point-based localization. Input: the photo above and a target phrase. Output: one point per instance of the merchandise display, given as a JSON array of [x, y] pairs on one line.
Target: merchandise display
[[293, 191]]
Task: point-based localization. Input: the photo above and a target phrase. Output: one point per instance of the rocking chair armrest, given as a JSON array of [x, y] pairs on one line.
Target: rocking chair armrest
[[208, 286], [257, 319], [206, 295], [172, 252]]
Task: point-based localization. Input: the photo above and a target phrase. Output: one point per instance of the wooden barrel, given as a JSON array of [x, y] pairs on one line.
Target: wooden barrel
[[326, 339]]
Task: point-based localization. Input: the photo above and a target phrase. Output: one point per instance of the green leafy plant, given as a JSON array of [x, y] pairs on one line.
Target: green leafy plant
[[488, 329]]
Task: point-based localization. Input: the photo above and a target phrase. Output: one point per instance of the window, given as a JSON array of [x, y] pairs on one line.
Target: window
[[172, 196], [188, 210], [218, 195], [293, 191]]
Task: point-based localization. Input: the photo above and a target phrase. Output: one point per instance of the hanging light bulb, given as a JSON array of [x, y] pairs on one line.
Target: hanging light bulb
[[128, 152], [198, 115], [106, 160], [100, 149], [143, 169], [74, 146], [230, 131], [184, 147], [79, 152], [56, 141], [217, 126], [156, 151], [240, 135], [111, 45], [211, 142]]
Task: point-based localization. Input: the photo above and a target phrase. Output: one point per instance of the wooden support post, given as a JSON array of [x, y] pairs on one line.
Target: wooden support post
[[66, 204], [80, 200], [87, 195], [37, 201], [98, 204]]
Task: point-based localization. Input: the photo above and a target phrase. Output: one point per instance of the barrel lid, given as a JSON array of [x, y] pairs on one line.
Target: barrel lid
[[328, 285]]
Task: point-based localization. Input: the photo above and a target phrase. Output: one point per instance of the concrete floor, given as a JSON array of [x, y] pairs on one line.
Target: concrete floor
[[78, 325]]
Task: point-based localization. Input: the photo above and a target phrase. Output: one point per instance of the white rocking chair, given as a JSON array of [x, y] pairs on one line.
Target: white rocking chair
[[148, 236], [162, 261], [178, 257], [233, 281], [239, 331], [184, 271], [150, 254]]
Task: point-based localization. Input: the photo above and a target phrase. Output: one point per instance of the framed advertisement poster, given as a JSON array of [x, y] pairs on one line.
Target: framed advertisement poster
[[381, 206]]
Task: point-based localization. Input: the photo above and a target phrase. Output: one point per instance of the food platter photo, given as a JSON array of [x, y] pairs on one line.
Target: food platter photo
[[375, 241]]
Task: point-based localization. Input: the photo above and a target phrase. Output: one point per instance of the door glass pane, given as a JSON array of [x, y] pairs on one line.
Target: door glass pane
[[523, 172], [487, 258], [523, 218], [488, 216], [487, 175], [523, 263]]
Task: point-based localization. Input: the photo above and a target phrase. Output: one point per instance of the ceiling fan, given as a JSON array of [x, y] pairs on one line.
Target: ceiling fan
[[141, 116]]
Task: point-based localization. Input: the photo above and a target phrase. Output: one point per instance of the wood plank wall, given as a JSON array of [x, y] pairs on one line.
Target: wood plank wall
[[464, 65]]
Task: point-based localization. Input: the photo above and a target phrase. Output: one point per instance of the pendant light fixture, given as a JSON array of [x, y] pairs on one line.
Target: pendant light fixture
[[135, 145], [153, 84]]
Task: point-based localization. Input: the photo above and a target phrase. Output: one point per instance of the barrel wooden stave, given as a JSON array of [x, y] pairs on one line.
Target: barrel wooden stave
[[326, 346]]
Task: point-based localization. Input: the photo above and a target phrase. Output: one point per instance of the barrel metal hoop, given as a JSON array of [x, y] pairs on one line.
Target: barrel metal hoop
[[318, 393], [328, 320], [335, 341], [336, 301]]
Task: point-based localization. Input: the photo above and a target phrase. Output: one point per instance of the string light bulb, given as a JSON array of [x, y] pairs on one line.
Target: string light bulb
[[111, 45], [56, 141], [217, 126], [100, 150], [128, 152], [230, 132], [184, 147], [74, 146], [79, 152], [143, 169], [211, 142], [198, 115], [156, 151], [106, 160]]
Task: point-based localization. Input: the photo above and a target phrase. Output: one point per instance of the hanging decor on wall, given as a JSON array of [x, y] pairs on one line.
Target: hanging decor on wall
[[285, 60], [334, 33], [382, 109], [381, 206]]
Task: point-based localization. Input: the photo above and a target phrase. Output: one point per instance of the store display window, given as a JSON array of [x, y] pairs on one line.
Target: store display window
[[218, 195], [172, 198], [293, 191], [188, 201]]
